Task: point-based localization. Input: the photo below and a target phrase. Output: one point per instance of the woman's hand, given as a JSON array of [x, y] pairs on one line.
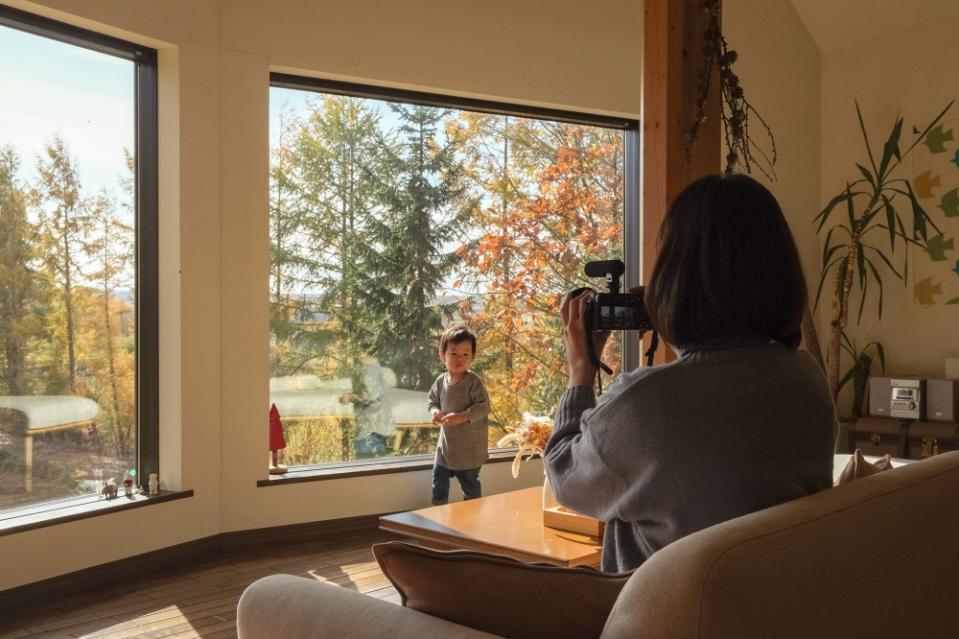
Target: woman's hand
[[573, 311]]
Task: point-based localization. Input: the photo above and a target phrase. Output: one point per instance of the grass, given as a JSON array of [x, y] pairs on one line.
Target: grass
[[331, 439], [63, 466]]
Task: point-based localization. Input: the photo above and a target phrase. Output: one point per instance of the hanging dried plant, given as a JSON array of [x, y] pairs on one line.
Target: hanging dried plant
[[735, 110]]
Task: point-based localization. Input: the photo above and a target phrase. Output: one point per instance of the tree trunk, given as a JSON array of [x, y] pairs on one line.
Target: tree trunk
[[840, 305], [121, 431], [68, 304]]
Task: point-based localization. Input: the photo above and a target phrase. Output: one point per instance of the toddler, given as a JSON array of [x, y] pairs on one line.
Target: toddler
[[459, 404]]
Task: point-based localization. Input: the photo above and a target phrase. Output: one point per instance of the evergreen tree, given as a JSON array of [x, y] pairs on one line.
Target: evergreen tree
[[22, 289], [409, 254], [63, 227]]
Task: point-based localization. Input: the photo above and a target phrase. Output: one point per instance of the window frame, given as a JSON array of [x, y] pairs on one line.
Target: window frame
[[632, 222], [146, 188]]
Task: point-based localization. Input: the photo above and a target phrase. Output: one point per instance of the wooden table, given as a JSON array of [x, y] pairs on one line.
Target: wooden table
[[505, 524]]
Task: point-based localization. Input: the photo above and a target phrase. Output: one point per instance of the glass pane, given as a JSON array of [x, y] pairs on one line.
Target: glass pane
[[392, 221], [67, 316]]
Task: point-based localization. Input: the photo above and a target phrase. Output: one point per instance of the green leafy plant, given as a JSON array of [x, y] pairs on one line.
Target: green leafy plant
[[854, 253], [860, 370]]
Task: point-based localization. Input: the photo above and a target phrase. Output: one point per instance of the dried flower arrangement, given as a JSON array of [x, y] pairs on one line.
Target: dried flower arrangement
[[530, 436], [735, 110]]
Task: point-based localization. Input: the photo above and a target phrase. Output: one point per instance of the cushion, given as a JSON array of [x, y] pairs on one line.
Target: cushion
[[857, 467], [501, 595]]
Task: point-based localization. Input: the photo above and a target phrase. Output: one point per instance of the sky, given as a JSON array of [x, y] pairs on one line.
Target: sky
[[49, 87]]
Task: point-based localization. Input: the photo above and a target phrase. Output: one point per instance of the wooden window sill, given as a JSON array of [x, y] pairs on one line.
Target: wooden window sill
[[18, 520], [385, 466]]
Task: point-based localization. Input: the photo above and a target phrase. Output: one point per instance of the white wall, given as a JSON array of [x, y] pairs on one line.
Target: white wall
[[214, 61], [913, 73], [779, 70]]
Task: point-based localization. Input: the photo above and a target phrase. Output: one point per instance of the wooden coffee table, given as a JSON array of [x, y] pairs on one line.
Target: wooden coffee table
[[505, 524]]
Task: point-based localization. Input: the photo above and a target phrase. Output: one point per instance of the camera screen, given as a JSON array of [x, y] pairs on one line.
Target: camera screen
[[616, 312]]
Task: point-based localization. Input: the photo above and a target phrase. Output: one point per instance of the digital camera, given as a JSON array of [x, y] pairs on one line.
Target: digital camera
[[613, 311]]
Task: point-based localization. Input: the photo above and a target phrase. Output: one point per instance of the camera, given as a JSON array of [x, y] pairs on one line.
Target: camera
[[612, 311]]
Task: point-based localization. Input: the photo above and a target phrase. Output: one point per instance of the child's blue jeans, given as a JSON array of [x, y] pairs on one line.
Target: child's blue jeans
[[469, 482]]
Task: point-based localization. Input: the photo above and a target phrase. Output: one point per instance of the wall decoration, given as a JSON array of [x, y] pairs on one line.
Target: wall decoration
[[935, 170]]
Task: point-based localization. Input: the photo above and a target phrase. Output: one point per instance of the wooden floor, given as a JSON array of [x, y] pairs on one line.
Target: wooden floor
[[200, 601]]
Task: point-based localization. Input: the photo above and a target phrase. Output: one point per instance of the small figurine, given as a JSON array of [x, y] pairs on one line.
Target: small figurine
[[154, 484], [277, 441], [110, 488], [129, 482]]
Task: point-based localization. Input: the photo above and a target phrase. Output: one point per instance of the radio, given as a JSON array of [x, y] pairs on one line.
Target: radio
[[907, 398]]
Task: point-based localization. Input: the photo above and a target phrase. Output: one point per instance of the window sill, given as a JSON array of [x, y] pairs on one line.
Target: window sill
[[299, 474], [76, 508]]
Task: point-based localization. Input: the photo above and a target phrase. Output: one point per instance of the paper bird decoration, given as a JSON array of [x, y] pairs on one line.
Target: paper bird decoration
[[937, 138]]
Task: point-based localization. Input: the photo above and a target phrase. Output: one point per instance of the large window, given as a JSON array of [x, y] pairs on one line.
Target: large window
[[77, 260], [393, 215]]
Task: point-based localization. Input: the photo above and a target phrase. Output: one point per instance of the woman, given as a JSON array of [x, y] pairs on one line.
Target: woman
[[741, 421]]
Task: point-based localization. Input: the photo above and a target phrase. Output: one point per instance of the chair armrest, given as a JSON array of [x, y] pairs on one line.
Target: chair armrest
[[287, 607]]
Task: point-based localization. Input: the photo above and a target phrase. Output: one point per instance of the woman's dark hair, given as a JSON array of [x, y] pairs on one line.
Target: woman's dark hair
[[727, 266]]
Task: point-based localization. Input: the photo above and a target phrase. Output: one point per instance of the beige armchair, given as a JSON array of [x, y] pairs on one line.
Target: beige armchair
[[878, 557]]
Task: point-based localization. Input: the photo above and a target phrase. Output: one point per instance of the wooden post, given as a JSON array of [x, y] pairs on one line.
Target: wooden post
[[672, 54]]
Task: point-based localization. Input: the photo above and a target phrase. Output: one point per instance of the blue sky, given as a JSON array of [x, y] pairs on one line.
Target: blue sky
[[49, 87]]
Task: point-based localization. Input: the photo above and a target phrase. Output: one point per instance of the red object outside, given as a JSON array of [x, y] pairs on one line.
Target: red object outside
[[277, 441]]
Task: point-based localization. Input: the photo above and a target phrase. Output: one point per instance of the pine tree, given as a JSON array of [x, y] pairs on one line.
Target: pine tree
[[22, 289], [409, 256], [63, 227]]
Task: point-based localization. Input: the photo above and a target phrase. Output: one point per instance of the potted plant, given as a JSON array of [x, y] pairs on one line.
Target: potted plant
[[875, 206]]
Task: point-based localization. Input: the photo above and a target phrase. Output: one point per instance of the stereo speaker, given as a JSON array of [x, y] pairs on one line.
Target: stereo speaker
[[942, 400], [879, 394]]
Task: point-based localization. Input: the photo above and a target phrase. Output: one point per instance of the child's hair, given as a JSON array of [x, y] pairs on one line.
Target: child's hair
[[456, 334]]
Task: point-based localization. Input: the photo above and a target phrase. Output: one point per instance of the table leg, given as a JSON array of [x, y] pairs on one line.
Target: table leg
[[399, 438]]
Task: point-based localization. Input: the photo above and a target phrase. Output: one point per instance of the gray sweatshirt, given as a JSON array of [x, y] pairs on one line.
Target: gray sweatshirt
[[672, 449], [466, 445]]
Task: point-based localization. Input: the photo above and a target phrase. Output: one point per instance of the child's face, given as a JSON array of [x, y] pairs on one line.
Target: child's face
[[458, 357]]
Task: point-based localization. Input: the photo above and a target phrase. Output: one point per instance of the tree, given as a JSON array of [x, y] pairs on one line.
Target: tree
[[322, 202], [408, 253], [563, 207], [110, 252], [22, 289], [63, 228]]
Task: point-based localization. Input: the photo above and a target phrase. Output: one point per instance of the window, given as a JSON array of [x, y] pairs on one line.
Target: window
[[395, 214], [78, 290]]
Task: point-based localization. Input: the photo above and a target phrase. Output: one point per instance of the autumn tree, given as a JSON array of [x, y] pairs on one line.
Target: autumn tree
[[23, 293], [565, 208], [63, 228], [109, 253], [336, 149], [296, 340]]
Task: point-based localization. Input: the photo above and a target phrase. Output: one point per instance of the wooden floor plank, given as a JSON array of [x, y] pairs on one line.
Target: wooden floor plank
[[200, 601]]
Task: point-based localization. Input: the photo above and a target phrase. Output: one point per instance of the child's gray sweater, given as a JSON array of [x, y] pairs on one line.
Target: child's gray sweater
[[464, 446], [676, 448]]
